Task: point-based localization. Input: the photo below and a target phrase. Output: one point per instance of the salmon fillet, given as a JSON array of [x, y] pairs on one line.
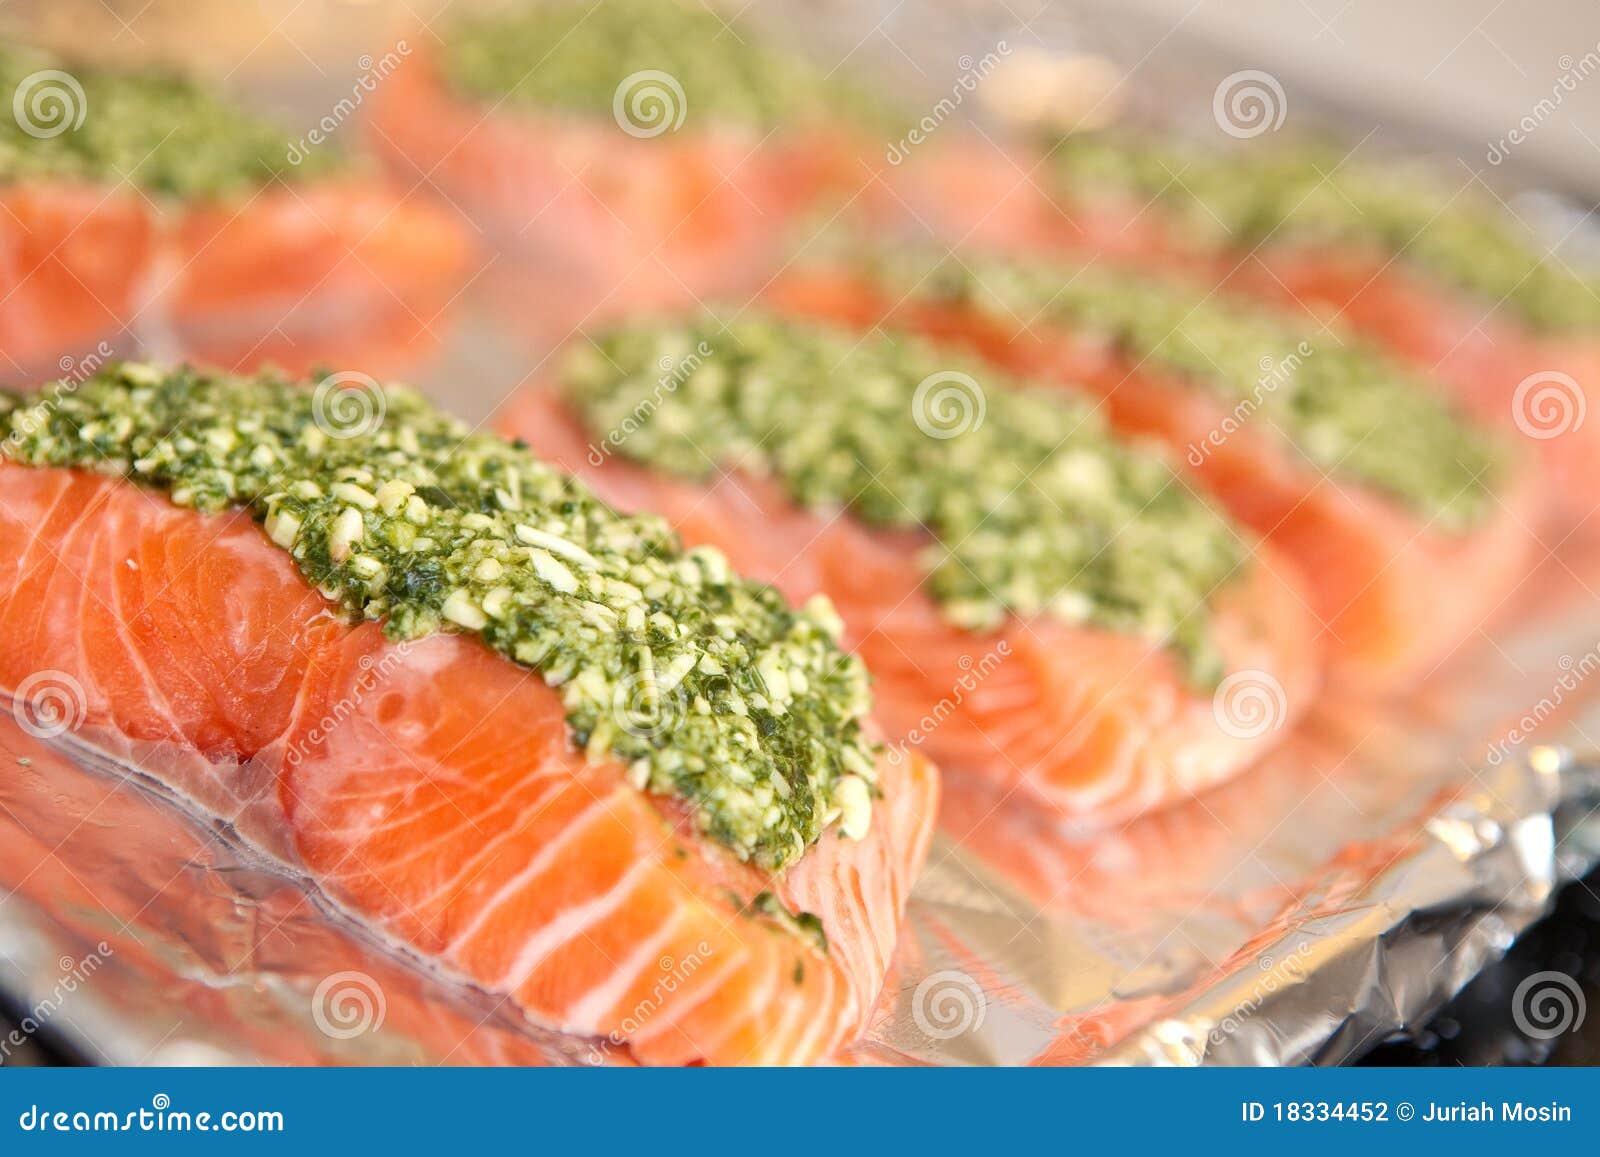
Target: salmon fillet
[[636, 221], [431, 789], [1394, 596], [1094, 725], [1532, 386]]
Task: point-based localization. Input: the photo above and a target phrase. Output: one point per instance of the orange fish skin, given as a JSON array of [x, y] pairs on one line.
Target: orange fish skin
[[431, 789]]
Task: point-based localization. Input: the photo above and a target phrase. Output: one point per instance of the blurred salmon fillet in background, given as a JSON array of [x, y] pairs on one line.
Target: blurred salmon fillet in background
[[635, 153], [171, 218], [1097, 725], [1394, 593]]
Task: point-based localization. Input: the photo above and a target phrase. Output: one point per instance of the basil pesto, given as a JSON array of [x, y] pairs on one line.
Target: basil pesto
[[576, 56], [1350, 410], [1307, 194], [161, 132], [1032, 508], [708, 687]]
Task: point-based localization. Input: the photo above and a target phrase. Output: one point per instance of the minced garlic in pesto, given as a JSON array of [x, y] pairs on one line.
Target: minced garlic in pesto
[[1349, 409], [708, 686], [576, 55], [1311, 194], [163, 133], [1032, 507]]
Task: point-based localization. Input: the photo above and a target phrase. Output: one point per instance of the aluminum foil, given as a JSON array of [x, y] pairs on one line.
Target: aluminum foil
[[1329, 897]]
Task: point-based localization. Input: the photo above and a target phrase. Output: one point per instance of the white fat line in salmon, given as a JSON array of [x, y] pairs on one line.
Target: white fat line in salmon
[[373, 676], [674, 973]]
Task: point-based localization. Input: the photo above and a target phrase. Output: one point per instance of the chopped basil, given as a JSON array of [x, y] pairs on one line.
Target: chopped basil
[[707, 686], [1316, 195], [1352, 411], [1032, 507], [159, 131]]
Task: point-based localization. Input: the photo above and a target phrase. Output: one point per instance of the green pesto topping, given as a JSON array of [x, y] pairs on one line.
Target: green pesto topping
[[1347, 408], [1310, 194], [161, 132], [708, 686], [1032, 507], [586, 57]]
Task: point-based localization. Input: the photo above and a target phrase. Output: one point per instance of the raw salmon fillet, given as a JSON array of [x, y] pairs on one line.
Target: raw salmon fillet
[[1394, 596], [1094, 725], [623, 220], [431, 789], [1230, 220], [173, 218], [1533, 386]]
